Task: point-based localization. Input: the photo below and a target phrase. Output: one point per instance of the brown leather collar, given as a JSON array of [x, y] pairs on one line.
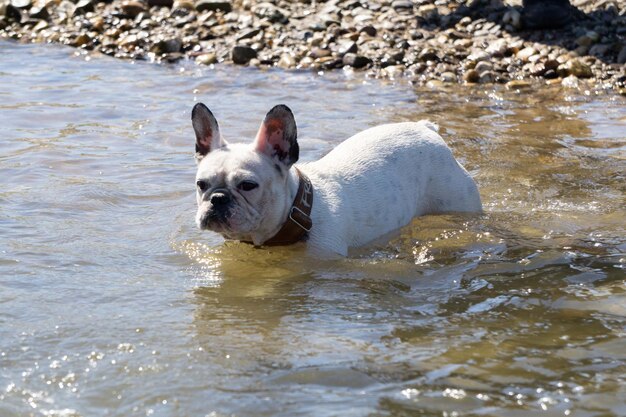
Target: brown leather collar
[[299, 222]]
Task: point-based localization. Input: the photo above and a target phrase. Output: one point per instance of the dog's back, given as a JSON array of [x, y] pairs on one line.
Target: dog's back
[[384, 176]]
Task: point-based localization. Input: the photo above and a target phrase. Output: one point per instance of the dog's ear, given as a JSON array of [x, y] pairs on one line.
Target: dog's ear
[[277, 136], [208, 137]]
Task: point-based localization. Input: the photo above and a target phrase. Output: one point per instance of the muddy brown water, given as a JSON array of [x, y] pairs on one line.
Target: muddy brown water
[[113, 303]]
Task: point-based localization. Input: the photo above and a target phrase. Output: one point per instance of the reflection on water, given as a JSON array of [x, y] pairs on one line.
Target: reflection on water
[[112, 303]]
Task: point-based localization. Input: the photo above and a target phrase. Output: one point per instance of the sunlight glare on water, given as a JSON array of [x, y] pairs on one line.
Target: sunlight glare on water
[[113, 303]]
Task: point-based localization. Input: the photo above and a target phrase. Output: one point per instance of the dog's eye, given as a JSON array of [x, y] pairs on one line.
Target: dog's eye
[[202, 185], [247, 185]]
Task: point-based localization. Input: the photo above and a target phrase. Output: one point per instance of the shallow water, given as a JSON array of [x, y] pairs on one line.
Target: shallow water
[[112, 303]]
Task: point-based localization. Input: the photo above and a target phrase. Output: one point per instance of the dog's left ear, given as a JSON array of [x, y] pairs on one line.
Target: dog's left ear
[[277, 136]]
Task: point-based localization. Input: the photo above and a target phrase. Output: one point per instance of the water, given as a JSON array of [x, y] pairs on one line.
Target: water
[[112, 303]]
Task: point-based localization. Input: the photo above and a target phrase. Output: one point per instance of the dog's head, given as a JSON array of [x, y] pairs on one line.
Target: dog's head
[[242, 189]]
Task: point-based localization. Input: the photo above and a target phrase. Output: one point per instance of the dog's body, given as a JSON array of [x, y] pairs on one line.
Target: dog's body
[[369, 185]]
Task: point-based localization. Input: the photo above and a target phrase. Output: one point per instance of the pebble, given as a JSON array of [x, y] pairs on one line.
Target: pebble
[[471, 76], [206, 59], [356, 61], [518, 84], [241, 55], [210, 5], [448, 77], [526, 53]]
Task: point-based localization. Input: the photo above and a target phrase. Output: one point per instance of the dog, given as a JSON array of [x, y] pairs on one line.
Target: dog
[[369, 185]]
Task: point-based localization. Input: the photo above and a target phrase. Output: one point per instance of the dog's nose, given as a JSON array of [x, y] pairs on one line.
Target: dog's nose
[[219, 197]]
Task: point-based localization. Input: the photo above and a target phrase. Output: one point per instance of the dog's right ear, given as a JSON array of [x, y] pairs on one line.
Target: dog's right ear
[[208, 137]]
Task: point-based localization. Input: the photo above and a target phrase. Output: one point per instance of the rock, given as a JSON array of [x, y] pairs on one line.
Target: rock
[[579, 69], [448, 77], [181, 7], [249, 34], [319, 53], [369, 30], [160, 3], [269, 11], [622, 91], [621, 57], [402, 5], [167, 46], [346, 47], [428, 54], [471, 76], [211, 5], [356, 61], [428, 12], [20, 4], [599, 49], [39, 13], [570, 82], [487, 77], [584, 41], [517, 84], [206, 59], [132, 8], [287, 61], [512, 17], [84, 6], [241, 55], [483, 66], [82, 39], [526, 53]]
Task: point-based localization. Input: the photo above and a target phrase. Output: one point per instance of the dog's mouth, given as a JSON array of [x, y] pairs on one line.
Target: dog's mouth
[[215, 220]]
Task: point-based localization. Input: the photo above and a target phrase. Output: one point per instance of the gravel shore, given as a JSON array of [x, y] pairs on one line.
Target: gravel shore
[[425, 41]]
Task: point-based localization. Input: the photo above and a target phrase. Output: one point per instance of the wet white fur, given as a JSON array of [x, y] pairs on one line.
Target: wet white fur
[[379, 179]]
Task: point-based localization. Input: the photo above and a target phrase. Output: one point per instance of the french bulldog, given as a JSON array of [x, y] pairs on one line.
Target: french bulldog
[[369, 185]]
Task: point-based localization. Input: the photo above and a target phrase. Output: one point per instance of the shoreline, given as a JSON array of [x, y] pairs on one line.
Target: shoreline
[[455, 42]]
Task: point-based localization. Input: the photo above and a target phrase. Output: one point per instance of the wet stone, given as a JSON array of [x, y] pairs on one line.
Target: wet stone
[[448, 77], [21, 4], [471, 76], [84, 6], [206, 59], [209, 5], [241, 55], [133, 8], [356, 61], [39, 13]]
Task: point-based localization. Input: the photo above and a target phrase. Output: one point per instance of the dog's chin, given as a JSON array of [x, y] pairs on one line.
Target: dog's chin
[[230, 227]]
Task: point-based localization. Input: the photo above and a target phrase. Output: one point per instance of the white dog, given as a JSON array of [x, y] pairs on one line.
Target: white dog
[[369, 185]]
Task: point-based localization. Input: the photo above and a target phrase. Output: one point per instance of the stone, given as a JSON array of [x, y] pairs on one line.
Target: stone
[[579, 69], [428, 12], [526, 53], [84, 6], [487, 77], [167, 46], [211, 5], [483, 66], [39, 13], [356, 61], [369, 30], [599, 49], [471, 76], [21, 4], [241, 55], [448, 77], [160, 3], [132, 8], [402, 5], [271, 12], [570, 82], [319, 53], [621, 56], [517, 84], [512, 17], [82, 39], [206, 59], [287, 61], [346, 47], [428, 54]]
